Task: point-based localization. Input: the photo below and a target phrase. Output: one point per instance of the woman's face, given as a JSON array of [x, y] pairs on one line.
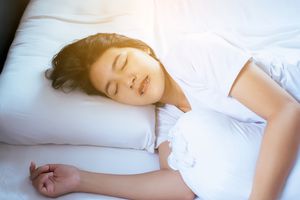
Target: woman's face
[[128, 75]]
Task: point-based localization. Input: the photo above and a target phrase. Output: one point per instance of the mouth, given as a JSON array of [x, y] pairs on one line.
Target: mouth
[[144, 85]]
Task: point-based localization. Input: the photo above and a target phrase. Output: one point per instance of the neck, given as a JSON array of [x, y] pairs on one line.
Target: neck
[[174, 95]]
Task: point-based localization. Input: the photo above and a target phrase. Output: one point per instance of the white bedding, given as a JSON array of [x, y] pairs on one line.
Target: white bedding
[[14, 162], [268, 27]]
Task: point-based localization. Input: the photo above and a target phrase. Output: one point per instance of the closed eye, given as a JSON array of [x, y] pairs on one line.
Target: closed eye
[[112, 88], [125, 63], [116, 89]]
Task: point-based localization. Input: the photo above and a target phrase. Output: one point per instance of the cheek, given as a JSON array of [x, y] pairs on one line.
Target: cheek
[[156, 92], [127, 97], [156, 89], [132, 98]]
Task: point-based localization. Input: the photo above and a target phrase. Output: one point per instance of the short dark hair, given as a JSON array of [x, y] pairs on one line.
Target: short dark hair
[[71, 65]]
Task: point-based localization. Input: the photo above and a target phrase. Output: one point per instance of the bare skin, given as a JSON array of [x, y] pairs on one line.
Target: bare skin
[[253, 88]]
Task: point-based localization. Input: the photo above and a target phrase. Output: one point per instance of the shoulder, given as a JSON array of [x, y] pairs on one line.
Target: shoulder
[[166, 117], [194, 48], [167, 111]]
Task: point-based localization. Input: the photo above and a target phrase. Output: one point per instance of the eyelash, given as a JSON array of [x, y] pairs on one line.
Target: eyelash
[[122, 68], [124, 64], [116, 90]]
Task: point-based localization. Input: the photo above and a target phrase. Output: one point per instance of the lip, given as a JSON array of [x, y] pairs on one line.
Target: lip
[[144, 85]]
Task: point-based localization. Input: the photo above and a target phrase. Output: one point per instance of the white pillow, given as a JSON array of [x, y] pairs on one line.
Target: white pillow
[[216, 156], [32, 112]]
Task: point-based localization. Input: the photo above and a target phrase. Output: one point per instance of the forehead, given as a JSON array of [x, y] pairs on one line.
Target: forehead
[[109, 53]]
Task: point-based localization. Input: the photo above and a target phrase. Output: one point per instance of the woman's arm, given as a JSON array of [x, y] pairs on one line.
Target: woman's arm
[[162, 184], [280, 144]]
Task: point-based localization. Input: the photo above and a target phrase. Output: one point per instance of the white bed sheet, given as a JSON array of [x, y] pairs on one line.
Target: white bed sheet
[[260, 26], [15, 160]]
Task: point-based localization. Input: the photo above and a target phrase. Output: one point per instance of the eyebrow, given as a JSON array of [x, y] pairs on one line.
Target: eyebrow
[[113, 67]]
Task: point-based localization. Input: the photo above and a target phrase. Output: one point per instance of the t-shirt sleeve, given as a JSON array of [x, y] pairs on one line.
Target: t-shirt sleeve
[[215, 61], [223, 63], [166, 118]]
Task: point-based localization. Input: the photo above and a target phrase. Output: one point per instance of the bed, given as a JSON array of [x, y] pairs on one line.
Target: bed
[[93, 133]]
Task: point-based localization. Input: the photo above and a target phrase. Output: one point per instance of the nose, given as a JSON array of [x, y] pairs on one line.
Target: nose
[[132, 82], [128, 80]]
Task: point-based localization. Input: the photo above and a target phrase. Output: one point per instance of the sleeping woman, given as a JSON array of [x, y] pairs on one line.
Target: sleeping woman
[[201, 72]]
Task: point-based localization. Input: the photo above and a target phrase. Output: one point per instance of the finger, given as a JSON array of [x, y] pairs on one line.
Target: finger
[[48, 187], [39, 170], [32, 167], [52, 167], [36, 181], [41, 179], [44, 191]]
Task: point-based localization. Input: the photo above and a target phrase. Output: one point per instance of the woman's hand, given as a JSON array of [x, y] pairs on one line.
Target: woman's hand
[[54, 180]]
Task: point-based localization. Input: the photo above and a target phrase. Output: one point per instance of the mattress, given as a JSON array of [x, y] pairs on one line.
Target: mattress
[[266, 26], [15, 160]]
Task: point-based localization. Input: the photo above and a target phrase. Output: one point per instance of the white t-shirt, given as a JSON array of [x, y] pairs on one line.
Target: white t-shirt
[[205, 67]]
